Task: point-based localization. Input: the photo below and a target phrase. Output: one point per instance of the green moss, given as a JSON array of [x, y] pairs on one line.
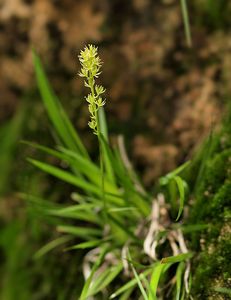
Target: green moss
[[214, 189], [211, 267]]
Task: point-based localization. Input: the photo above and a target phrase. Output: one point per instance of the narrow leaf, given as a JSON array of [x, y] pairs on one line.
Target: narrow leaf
[[56, 113], [65, 176], [176, 258], [181, 188], [50, 246]]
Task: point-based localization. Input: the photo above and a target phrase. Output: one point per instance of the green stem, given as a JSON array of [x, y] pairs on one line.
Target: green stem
[[100, 149], [102, 184], [186, 22]]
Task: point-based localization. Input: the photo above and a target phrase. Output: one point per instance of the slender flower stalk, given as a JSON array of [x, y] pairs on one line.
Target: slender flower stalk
[[90, 70]]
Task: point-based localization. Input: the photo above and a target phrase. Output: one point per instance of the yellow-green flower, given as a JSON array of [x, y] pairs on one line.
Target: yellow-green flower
[[90, 70]]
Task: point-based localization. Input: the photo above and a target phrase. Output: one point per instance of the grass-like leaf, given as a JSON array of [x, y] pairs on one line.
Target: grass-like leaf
[[176, 258], [65, 176], [86, 233], [138, 279], [186, 22], [180, 184], [9, 138], [104, 279], [179, 273], [192, 228], [53, 244], [89, 244], [129, 285], [61, 122], [97, 264], [155, 277], [223, 290]]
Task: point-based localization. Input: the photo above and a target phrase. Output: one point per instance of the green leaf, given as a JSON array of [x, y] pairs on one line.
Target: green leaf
[[130, 284], [107, 159], [179, 273], [87, 245], [121, 209], [126, 182], [86, 233], [61, 123], [139, 265], [148, 287], [104, 279], [126, 294], [50, 246], [176, 258], [9, 137], [192, 228], [83, 166], [223, 290], [124, 229], [84, 212], [181, 188], [97, 264], [122, 175], [90, 170], [165, 179], [65, 176], [103, 123], [138, 280], [155, 277], [186, 22]]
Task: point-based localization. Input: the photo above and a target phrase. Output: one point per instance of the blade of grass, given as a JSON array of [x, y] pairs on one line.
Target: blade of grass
[[165, 179], [176, 258], [130, 284], [180, 185], [107, 159], [9, 137], [84, 215], [148, 287], [86, 233], [91, 170], [155, 277], [179, 273], [104, 279], [122, 209], [65, 176], [83, 164], [50, 246], [223, 290], [138, 279], [192, 228], [103, 123], [139, 265], [98, 262], [125, 230], [126, 294], [87, 245], [56, 114], [186, 22], [74, 180]]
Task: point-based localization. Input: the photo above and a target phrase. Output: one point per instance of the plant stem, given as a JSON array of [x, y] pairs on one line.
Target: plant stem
[[100, 151], [186, 22]]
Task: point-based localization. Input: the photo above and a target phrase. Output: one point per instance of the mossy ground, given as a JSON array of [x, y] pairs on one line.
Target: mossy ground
[[212, 266]]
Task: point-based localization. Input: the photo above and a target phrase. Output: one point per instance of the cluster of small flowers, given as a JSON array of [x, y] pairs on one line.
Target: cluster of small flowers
[[91, 64]]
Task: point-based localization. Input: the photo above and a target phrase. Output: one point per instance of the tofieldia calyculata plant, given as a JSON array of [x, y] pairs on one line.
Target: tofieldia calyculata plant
[[91, 65]]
